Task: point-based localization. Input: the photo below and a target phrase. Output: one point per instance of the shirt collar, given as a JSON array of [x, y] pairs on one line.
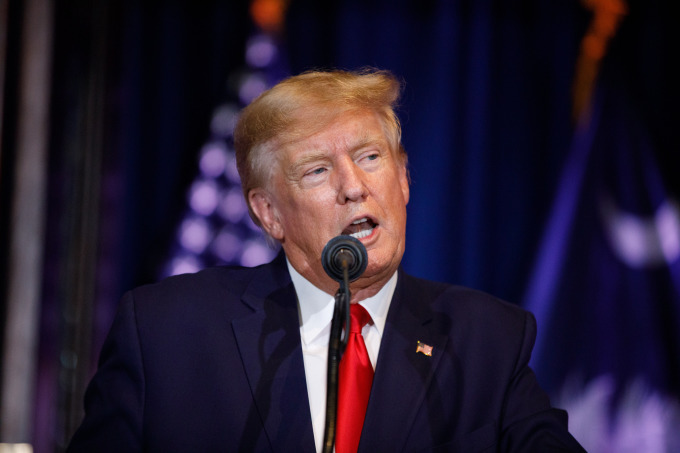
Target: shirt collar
[[316, 306]]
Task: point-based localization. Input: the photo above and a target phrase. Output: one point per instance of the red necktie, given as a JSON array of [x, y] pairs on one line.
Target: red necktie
[[356, 377]]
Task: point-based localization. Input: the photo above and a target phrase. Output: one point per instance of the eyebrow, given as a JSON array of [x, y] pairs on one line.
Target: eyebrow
[[367, 140]]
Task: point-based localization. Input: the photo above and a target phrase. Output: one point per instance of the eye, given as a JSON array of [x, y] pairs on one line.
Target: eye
[[369, 160], [316, 174], [317, 171]]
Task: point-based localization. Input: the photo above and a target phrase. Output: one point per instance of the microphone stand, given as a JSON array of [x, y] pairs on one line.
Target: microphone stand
[[336, 347]]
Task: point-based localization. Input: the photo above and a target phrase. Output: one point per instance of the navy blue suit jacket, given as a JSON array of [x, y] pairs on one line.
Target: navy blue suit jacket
[[213, 362]]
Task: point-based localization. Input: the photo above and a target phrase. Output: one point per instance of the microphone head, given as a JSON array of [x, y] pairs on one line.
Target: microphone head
[[344, 251]]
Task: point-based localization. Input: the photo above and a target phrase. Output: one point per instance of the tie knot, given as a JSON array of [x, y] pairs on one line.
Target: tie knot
[[358, 318]]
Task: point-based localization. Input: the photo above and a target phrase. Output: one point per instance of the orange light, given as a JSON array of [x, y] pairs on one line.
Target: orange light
[[607, 14], [269, 14]]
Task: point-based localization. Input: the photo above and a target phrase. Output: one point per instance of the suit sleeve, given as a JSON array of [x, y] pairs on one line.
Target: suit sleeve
[[114, 400], [529, 422]]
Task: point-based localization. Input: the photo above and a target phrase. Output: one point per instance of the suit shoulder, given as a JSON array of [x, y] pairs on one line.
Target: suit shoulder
[[485, 330], [466, 304], [203, 291], [216, 279]]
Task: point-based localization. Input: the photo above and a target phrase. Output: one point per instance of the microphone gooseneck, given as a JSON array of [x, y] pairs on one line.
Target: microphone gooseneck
[[344, 253], [344, 259]]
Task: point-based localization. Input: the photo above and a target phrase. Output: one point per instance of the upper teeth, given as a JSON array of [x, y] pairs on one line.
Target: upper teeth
[[362, 233]]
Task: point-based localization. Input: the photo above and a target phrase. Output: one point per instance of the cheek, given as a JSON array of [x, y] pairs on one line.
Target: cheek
[[318, 204], [310, 212]]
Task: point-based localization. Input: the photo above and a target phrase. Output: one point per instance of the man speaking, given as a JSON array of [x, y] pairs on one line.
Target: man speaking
[[235, 359]]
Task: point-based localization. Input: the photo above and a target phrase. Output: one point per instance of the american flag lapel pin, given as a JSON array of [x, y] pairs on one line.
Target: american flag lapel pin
[[424, 348]]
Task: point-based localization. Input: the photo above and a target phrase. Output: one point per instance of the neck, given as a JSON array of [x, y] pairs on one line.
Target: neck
[[360, 289]]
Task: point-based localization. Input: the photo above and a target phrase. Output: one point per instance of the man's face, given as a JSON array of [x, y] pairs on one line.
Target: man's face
[[342, 180]]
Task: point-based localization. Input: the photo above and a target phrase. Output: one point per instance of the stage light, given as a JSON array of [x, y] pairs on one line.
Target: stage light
[[195, 234], [227, 245], [256, 252], [203, 197], [260, 51], [184, 264], [251, 87], [232, 207], [213, 161]]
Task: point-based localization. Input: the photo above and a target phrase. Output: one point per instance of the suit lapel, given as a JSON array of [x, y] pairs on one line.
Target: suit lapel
[[269, 343], [402, 376]]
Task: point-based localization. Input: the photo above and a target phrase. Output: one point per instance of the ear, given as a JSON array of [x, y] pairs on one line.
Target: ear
[[263, 206], [404, 181]]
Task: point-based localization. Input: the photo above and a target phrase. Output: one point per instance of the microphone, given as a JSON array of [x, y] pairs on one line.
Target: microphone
[[344, 259], [344, 252]]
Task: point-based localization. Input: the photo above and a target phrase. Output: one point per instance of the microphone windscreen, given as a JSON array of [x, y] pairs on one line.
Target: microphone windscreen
[[345, 249]]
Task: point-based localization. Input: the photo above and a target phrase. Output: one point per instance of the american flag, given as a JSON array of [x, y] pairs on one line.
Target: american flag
[[424, 348]]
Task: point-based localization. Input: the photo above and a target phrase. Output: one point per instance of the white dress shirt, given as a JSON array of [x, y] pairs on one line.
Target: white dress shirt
[[315, 308]]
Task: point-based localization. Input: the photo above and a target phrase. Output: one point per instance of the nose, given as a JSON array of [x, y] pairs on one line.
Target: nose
[[351, 184]]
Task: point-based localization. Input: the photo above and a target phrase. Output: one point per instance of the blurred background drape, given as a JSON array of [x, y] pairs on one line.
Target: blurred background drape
[[542, 149]]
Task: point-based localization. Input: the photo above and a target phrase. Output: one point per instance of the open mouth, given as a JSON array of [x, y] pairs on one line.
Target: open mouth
[[360, 228]]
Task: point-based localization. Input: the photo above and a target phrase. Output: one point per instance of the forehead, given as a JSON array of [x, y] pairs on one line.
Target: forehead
[[343, 133]]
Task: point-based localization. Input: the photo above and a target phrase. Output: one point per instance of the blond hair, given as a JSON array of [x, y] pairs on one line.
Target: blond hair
[[302, 105]]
